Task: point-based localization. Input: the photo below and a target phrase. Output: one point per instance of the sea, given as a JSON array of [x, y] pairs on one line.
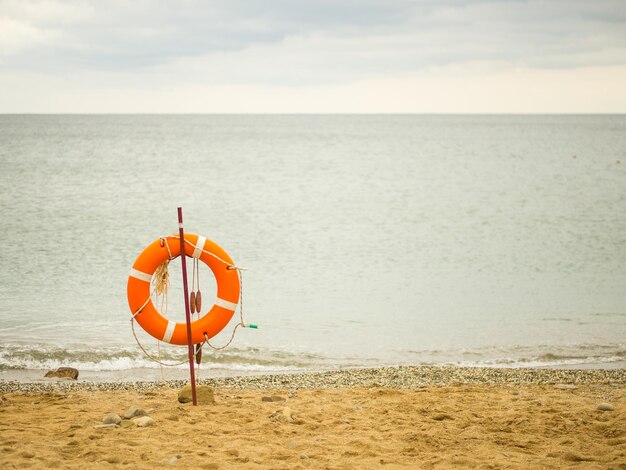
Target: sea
[[368, 240]]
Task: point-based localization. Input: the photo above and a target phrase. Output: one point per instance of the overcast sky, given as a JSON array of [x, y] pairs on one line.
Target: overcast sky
[[238, 56]]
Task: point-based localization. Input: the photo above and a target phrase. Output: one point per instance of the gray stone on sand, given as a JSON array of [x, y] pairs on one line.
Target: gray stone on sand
[[605, 407], [204, 395], [133, 412], [63, 373], [144, 421], [111, 418]]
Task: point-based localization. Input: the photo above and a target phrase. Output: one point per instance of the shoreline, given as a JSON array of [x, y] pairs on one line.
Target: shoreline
[[153, 374], [402, 377]]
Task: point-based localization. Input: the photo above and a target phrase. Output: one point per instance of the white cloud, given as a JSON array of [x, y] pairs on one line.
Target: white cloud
[[157, 56], [118, 35]]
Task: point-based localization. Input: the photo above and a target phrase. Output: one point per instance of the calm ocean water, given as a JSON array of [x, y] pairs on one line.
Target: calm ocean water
[[370, 240]]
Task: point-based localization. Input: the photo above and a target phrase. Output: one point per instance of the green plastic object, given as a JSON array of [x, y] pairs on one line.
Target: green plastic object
[[252, 325]]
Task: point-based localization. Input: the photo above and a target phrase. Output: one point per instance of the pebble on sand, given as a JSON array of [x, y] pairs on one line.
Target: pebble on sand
[[442, 417], [285, 415], [605, 407], [204, 395], [173, 460], [133, 412], [273, 398], [106, 426], [111, 418], [144, 421]]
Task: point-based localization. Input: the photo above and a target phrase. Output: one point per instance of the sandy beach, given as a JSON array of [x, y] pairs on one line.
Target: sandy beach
[[409, 417]]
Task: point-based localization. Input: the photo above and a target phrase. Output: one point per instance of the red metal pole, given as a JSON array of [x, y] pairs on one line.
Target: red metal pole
[[183, 259]]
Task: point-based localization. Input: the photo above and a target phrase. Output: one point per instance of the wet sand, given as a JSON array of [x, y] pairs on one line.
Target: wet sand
[[374, 418]]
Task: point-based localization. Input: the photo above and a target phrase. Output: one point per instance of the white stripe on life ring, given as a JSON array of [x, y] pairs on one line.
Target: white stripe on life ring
[[225, 304], [140, 275], [199, 247], [169, 331]]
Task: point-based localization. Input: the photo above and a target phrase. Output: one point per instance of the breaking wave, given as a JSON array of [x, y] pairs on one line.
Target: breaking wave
[[15, 357]]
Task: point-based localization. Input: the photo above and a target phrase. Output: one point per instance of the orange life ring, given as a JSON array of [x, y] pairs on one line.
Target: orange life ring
[[139, 289]]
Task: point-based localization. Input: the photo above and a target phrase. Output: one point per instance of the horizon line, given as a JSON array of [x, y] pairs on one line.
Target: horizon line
[[539, 113]]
